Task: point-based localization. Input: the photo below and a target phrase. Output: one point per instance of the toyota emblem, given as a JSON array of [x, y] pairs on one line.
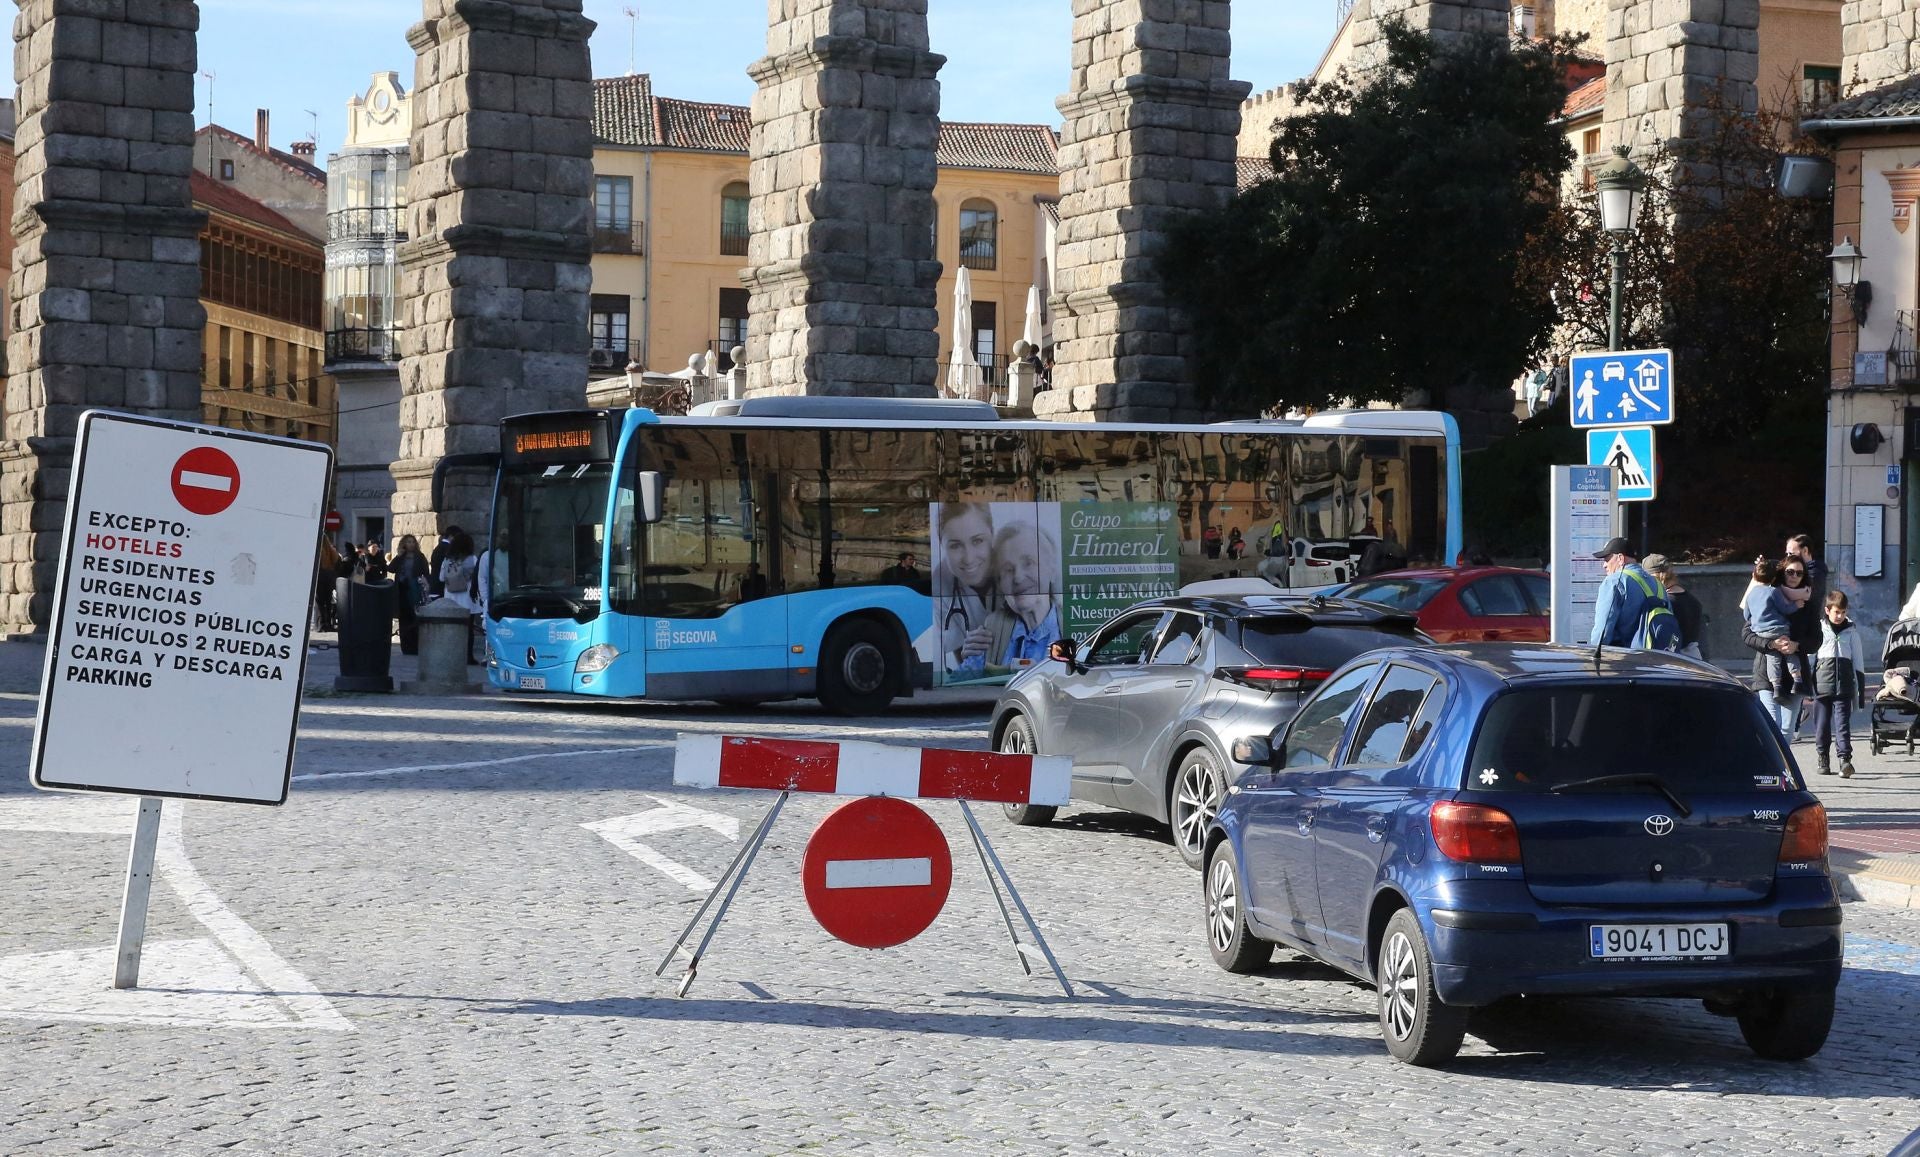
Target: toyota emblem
[[533, 658], [1659, 825]]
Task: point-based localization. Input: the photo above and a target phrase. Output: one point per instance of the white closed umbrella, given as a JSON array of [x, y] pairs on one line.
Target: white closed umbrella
[[964, 379], [1031, 334]]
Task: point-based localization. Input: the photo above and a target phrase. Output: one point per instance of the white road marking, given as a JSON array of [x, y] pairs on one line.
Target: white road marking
[[621, 832], [916, 872], [235, 978]]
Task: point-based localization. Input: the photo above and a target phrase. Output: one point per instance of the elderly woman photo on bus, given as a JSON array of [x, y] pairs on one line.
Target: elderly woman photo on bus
[[963, 580], [1027, 564]]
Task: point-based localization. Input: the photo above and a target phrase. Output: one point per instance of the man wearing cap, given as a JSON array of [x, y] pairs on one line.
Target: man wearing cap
[[1624, 597]]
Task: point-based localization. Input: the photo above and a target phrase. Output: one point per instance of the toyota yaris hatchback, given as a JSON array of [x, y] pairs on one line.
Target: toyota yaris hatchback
[[1458, 827]]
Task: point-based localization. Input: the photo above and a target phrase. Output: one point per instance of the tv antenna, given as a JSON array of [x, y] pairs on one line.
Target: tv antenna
[[314, 135], [633, 25], [209, 77]]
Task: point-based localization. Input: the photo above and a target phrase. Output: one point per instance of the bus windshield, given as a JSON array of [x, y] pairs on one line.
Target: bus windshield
[[549, 528]]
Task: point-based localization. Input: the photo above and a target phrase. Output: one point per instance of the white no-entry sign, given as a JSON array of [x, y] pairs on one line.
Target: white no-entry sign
[[179, 630]]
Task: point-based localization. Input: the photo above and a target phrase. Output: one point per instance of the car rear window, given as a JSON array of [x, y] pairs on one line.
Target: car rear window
[[1706, 739], [1402, 594], [1297, 642]]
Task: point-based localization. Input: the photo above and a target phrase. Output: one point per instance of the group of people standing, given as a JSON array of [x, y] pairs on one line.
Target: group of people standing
[[453, 572], [1806, 648]]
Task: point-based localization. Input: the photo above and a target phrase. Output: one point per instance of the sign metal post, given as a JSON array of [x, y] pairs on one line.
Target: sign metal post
[[133, 904]]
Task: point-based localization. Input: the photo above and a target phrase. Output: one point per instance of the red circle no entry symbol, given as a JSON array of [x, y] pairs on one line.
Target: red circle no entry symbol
[[205, 480], [876, 872]]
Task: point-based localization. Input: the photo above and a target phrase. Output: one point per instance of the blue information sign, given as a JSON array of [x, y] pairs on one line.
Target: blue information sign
[[1629, 451], [1624, 388]]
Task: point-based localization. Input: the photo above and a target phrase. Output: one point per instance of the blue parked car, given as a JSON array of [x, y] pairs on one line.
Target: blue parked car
[[1458, 826]]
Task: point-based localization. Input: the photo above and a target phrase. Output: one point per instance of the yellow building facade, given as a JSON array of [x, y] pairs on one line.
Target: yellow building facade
[[670, 229]]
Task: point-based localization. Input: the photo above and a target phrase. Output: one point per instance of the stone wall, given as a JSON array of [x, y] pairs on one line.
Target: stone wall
[[843, 281], [1151, 124], [105, 291], [1442, 19], [1668, 61], [495, 280], [1879, 42]]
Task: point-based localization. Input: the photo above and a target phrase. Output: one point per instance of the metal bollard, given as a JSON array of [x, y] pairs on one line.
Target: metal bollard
[[445, 638]]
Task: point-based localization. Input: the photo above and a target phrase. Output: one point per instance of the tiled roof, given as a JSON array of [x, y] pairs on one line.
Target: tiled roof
[[297, 165], [686, 124], [1588, 98], [1252, 171], [1050, 206], [1001, 147], [224, 198], [623, 110], [1899, 99]]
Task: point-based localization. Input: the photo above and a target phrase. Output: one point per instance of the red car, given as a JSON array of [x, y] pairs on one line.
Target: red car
[[1467, 604]]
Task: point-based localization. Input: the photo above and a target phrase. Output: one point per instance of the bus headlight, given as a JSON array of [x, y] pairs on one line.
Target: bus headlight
[[595, 658]]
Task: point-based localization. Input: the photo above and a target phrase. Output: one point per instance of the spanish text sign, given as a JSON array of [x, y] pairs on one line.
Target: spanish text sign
[[179, 629]]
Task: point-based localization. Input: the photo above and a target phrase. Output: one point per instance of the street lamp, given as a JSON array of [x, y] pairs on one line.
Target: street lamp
[[1846, 258], [1622, 186]]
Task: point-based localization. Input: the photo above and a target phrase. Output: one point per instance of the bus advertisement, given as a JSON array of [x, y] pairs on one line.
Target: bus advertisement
[[854, 550]]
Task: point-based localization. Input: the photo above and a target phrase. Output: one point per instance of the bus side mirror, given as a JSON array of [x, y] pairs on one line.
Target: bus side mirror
[[653, 496]]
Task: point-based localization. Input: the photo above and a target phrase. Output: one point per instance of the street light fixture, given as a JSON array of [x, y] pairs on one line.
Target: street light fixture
[[1846, 258], [1622, 186]]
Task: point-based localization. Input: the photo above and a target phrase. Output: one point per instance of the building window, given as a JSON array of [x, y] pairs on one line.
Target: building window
[[607, 323], [1819, 86], [733, 325], [986, 316], [734, 200], [979, 235], [1589, 146], [226, 170], [613, 230]]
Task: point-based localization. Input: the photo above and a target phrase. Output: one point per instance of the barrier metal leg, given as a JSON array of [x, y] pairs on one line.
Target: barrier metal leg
[[993, 882], [736, 873], [981, 843]]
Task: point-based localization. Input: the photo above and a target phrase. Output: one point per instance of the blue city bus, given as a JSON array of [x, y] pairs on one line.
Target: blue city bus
[[854, 550]]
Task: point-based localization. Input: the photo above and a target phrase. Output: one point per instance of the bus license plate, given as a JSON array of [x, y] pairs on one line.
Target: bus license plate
[[1658, 941], [533, 682]]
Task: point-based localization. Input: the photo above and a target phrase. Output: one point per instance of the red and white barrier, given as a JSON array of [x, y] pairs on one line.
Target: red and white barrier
[[833, 768]]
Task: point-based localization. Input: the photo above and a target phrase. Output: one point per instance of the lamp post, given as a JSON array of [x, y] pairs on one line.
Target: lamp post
[[1846, 258], [1622, 187]]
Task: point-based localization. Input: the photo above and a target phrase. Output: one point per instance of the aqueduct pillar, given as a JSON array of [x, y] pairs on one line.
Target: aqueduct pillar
[[105, 289], [1152, 120], [496, 275], [846, 123]]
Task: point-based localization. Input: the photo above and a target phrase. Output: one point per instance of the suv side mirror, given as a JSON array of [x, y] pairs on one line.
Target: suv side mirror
[[1062, 650]]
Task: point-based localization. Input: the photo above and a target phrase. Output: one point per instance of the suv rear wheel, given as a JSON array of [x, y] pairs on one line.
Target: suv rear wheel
[[1788, 1026], [1017, 739], [1198, 787]]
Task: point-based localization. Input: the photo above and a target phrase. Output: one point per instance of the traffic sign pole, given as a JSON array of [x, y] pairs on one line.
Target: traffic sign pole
[[133, 904]]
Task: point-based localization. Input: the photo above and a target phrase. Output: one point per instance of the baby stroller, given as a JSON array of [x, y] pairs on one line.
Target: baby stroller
[[1896, 709]]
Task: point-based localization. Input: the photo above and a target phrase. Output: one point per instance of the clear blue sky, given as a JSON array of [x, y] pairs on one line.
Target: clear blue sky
[[1006, 59]]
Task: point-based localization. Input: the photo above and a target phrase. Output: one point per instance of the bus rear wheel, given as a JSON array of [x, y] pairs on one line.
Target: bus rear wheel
[[857, 674]]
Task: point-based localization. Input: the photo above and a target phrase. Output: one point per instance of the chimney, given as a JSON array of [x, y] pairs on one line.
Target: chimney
[[305, 149], [262, 140]]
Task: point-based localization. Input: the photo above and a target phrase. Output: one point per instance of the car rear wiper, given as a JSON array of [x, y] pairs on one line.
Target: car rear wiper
[[1628, 779]]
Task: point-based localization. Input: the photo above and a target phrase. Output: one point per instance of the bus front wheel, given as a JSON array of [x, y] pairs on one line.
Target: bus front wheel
[[857, 674]]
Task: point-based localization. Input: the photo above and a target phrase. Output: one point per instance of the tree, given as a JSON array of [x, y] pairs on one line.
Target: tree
[[1382, 258]]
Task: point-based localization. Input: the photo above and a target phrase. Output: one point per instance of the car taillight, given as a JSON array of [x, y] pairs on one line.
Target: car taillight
[[1474, 834], [1274, 678], [1806, 836]]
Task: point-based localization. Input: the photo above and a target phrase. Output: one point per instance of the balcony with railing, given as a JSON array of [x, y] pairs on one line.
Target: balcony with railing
[[1903, 357], [361, 345], [630, 240], [733, 238], [614, 359], [366, 224]]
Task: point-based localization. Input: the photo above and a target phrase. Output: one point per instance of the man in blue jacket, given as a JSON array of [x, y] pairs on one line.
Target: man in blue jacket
[[1624, 597]]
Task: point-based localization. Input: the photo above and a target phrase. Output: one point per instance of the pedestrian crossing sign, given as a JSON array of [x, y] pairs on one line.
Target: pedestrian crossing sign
[[1629, 450]]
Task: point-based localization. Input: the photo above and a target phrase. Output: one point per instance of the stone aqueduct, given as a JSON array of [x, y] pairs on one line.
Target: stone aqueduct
[[105, 286]]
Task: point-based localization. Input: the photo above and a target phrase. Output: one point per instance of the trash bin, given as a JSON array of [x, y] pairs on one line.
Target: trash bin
[[366, 635]]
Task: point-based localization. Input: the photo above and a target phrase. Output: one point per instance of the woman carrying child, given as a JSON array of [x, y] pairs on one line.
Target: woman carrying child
[[1839, 676]]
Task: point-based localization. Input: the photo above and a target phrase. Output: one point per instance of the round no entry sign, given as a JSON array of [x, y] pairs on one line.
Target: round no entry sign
[[876, 872], [205, 480]]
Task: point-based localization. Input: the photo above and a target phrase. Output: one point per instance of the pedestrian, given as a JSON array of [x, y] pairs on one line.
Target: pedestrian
[[1839, 681], [1800, 548], [1631, 609], [1803, 625], [1686, 607], [376, 562], [350, 561], [1765, 613], [410, 575], [324, 567], [435, 587], [1210, 542], [459, 578], [1236, 545]]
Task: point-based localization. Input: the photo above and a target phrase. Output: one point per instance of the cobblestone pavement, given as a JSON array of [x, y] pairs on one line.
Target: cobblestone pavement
[[427, 952]]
